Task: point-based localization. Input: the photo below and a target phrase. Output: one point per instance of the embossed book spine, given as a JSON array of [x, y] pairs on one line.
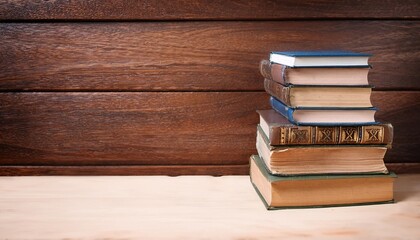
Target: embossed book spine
[[289, 134]]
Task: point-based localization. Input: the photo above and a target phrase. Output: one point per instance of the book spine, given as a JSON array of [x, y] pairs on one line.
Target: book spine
[[283, 109], [380, 134], [278, 91], [275, 72], [265, 69], [284, 74]]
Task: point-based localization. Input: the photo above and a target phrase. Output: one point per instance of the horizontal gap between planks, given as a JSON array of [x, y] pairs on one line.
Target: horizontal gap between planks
[[205, 20], [176, 91]]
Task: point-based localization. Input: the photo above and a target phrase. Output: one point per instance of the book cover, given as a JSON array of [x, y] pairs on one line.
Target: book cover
[[282, 132], [278, 192], [319, 96], [326, 116], [288, 160], [319, 58], [326, 53], [331, 76]]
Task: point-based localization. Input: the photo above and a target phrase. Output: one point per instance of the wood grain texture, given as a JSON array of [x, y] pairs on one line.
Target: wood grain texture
[[128, 128], [168, 170], [189, 128], [187, 208], [402, 109], [403, 168], [205, 9], [191, 56]]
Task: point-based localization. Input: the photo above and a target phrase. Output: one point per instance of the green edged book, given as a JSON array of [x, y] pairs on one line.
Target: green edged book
[[279, 192]]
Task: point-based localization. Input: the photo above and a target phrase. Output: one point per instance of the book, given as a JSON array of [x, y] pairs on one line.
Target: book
[[320, 58], [320, 159], [332, 76], [279, 192], [319, 96], [315, 116], [281, 132]]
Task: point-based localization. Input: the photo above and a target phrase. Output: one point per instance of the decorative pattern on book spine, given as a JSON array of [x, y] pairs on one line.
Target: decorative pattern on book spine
[[331, 135]]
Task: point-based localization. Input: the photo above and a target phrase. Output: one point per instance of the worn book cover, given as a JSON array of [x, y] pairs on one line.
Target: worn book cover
[[321, 159], [320, 96], [279, 192], [315, 76], [325, 116], [282, 132]]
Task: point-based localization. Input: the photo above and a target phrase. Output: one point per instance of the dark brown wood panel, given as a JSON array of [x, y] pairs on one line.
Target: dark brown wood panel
[[188, 128], [128, 128], [402, 109], [173, 170], [205, 9], [192, 56], [403, 168]]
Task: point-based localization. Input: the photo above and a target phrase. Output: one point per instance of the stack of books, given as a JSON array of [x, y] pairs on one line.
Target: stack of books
[[320, 144]]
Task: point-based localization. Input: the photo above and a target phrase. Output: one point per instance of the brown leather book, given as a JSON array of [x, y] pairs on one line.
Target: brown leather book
[[321, 159], [281, 132], [320, 96], [337, 76]]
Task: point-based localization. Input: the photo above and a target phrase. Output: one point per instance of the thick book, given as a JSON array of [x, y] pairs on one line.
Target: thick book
[[278, 192], [319, 96], [315, 116], [320, 58], [320, 159], [331, 76], [281, 132]]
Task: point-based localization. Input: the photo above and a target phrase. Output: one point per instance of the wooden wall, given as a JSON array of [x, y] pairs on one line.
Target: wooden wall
[[171, 87]]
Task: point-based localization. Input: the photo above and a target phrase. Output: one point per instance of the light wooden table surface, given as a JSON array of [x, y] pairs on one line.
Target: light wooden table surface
[[187, 207]]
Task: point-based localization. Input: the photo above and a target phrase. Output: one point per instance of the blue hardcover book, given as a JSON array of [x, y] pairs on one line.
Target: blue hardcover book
[[312, 116], [320, 59]]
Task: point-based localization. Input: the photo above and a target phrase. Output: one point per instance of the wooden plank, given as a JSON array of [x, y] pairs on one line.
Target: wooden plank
[[169, 170], [402, 109], [186, 208], [189, 128], [191, 56], [404, 168], [146, 170], [128, 128], [205, 9]]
